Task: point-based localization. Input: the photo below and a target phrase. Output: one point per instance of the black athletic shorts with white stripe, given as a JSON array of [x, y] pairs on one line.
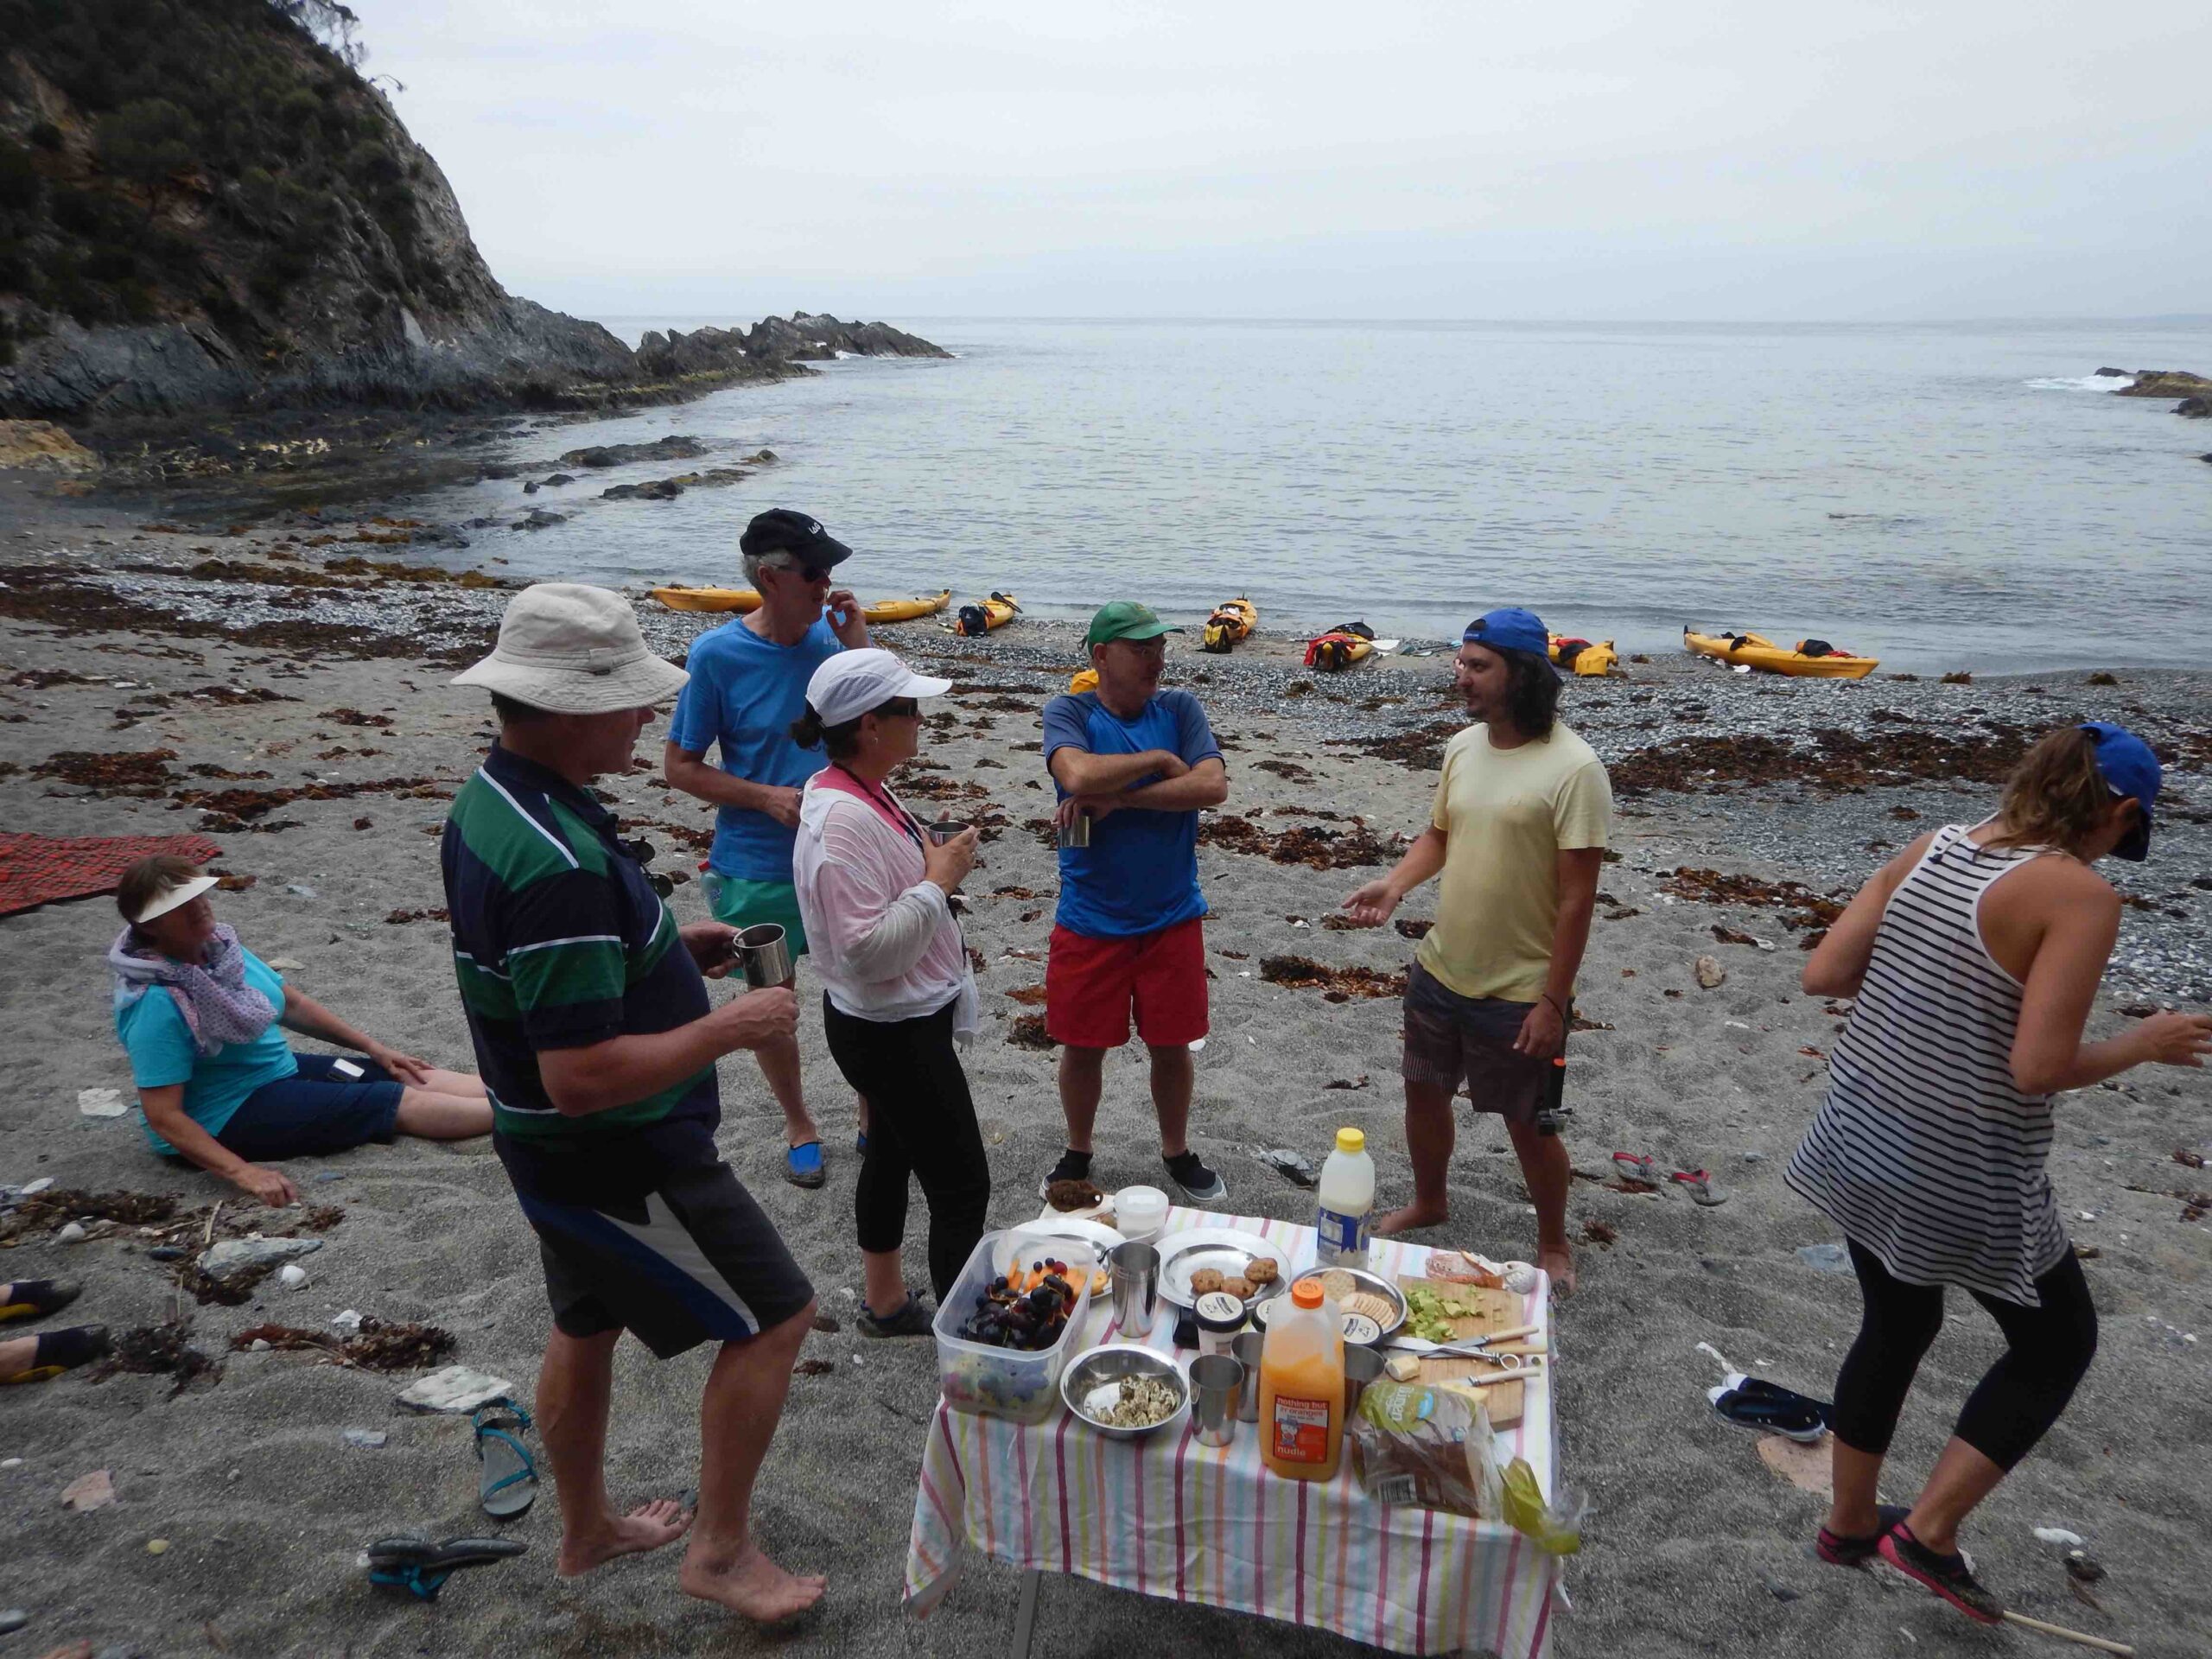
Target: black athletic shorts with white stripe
[[683, 1256]]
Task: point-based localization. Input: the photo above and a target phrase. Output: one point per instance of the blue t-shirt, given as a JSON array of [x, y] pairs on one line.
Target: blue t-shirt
[[744, 693], [215, 1085], [1140, 872]]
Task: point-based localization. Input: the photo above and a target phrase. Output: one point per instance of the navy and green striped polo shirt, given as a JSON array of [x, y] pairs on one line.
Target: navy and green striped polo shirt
[[559, 941]]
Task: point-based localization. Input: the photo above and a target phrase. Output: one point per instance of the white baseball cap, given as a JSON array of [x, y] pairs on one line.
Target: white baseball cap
[[176, 897], [570, 649], [850, 684]]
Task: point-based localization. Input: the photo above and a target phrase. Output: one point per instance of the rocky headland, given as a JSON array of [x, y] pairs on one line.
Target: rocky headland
[[212, 210]]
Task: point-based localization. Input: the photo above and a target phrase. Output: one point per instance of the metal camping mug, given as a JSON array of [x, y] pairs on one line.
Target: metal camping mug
[[1075, 832], [944, 829], [1247, 1347], [766, 954], [1362, 1367], [1217, 1380], [1137, 1287]]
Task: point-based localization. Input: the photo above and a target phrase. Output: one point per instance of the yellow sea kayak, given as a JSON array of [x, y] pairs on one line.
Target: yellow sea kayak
[[1823, 663], [1233, 619], [742, 600], [981, 618], [1340, 647], [907, 610], [1083, 680], [679, 598], [1584, 657]]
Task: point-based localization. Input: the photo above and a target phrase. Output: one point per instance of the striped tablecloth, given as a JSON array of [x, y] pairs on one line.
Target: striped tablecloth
[[1168, 1517]]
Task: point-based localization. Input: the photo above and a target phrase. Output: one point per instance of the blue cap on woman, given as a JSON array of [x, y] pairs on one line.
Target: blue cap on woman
[[2131, 773]]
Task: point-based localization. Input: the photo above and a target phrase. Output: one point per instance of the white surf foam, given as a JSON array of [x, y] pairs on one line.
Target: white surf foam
[[2082, 383]]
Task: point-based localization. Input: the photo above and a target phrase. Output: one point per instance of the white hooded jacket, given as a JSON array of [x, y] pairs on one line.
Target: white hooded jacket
[[884, 940]]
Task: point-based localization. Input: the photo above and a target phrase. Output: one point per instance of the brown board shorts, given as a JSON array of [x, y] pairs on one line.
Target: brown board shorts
[[1450, 1038]]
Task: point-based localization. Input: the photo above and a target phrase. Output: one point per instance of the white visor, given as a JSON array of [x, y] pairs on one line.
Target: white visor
[[170, 898]]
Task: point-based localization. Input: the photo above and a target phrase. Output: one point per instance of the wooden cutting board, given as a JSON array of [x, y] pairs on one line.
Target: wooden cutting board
[[1496, 1309]]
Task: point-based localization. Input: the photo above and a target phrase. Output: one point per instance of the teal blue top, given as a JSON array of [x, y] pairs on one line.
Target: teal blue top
[[215, 1085]]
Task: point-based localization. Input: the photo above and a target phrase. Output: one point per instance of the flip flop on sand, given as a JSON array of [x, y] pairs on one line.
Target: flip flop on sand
[[422, 1567], [509, 1485], [1700, 1186], [1638, 1166]]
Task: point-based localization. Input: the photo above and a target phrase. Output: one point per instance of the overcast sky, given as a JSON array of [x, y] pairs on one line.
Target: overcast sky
[[1694, 159]]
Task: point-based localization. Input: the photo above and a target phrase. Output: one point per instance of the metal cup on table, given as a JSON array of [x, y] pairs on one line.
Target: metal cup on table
[[1217, 1381], [1137, 1287], [1246, 1348], [765, 953], [1362, 1367]]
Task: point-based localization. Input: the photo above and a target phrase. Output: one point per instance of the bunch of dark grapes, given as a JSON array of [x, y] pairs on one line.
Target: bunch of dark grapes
[[1008, 1316]]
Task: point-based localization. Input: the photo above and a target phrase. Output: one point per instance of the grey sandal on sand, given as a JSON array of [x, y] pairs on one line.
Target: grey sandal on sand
[[1701, 1185], [509, 1485]]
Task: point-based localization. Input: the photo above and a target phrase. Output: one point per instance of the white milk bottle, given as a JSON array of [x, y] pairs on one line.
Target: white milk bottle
[[1346, 1197]]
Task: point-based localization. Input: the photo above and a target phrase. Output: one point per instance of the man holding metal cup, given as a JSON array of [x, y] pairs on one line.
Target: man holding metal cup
[[1134, 764], [748, 685], [596, 1038]]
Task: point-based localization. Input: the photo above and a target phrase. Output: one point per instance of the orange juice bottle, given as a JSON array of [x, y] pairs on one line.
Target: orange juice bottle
[[1302, 1388]]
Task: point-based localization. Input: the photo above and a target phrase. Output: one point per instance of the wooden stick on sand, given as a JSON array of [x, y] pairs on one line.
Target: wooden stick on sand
[[2065, 1634]]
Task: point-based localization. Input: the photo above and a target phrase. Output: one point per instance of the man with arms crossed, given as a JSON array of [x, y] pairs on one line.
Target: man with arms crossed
[[1518, 830], [1140, 763], [597, 1042], [748, 685]]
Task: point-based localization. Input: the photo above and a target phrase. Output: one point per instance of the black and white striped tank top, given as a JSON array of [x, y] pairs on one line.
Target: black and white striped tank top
[[1925, 1153]]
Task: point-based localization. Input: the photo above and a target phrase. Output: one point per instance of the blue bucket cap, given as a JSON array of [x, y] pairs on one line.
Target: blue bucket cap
[[2132, 772]]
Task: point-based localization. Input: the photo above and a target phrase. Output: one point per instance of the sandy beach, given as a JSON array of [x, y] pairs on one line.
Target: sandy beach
[[126, 640]]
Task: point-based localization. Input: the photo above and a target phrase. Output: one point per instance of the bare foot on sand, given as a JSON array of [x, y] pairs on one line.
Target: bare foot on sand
[[647, 1527], [750, 1584], [1404, 1221], [1561, 1266]]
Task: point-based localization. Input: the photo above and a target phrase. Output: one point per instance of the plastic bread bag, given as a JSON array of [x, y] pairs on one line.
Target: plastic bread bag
[[1416, 1443], [1555, 1529]]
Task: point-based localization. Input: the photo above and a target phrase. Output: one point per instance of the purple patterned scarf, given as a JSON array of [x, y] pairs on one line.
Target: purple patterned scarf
[[218, 1007]]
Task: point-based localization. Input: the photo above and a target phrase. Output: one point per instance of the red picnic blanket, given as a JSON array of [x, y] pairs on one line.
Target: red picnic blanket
[[39, 869]]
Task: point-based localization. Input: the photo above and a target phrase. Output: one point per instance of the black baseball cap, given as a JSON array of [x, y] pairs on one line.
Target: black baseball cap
[[780, 530]]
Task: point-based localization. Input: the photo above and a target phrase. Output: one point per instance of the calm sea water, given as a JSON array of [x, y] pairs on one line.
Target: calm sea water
[[1956, 496]]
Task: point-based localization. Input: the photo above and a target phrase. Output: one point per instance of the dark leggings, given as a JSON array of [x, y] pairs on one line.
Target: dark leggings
[[2015, 1402], [921, 1123]]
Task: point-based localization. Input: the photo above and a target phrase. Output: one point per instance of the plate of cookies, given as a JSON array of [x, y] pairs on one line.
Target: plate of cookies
[[1202, 1259]]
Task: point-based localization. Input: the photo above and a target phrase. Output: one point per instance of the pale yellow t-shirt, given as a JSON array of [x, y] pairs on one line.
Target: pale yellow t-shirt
[[1506, 815]]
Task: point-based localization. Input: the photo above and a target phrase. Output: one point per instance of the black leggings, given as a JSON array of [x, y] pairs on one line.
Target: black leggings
[[2015, 1402], [921, 1122]]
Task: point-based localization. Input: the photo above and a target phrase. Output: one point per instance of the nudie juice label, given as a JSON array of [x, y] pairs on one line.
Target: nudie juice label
[[1301, 1429]]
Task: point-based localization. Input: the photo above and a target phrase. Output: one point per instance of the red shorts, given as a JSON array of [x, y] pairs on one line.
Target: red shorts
[[1092, 985]]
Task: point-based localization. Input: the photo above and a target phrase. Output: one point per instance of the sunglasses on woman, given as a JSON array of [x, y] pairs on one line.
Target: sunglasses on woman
[[897, 708]]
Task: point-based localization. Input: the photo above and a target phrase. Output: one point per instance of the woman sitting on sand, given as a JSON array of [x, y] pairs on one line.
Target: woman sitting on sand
[[1974, 956], [199, 1013], [876, 893]]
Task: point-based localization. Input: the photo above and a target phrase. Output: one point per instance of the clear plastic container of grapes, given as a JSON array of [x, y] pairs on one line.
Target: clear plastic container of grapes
[[1020, 1385]]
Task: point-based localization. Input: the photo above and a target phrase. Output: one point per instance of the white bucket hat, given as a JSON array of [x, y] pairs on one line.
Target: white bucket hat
[[570, 649], [176, 897], [850, 684]]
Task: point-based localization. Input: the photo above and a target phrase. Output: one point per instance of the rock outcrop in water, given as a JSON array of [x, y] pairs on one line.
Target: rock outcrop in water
[[2166, 383], [203, 206]]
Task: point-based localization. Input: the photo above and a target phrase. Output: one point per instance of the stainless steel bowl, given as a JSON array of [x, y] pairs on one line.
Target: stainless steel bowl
[[1381, 1287], [1097, 1368]]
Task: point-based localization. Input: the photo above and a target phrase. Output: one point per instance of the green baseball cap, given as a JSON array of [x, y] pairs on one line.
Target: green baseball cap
[[1125, 620]]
